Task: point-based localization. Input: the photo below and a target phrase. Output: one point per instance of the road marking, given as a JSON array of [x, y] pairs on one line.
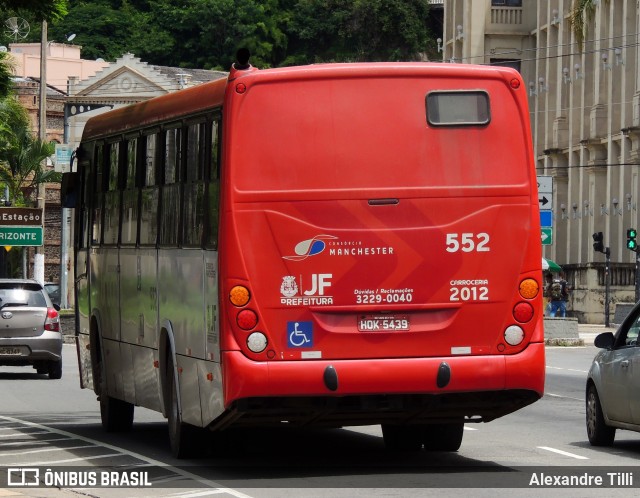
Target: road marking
[[568, 369], [17, 434], [45, 450], [565, 453], [201, 482], [565, 397]]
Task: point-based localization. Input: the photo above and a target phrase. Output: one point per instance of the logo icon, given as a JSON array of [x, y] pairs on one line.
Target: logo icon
[[309, 247], [300, 334], [289, 288], [7, 314], [23, 476]]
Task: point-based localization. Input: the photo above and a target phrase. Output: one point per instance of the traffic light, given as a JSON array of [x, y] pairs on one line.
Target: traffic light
[[631, 239], [598, 244]]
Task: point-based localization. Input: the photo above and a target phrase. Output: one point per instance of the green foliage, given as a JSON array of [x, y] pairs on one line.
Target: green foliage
[[207, 33], [38, 10], [582, 13], [21, 154], [5, 74]]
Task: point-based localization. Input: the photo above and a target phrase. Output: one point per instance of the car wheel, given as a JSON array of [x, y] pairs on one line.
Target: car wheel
[[599, 433], [54, 369], [183, 437], [402, 437], [443, 437]]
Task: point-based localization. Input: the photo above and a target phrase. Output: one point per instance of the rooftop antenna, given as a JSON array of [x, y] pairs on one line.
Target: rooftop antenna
[[16, 27]]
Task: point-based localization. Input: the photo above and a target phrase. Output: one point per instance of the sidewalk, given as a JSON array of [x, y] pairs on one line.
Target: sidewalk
[[588, 332]]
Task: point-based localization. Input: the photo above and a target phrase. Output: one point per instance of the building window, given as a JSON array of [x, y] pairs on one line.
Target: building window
[[506, 3], [513, 63]]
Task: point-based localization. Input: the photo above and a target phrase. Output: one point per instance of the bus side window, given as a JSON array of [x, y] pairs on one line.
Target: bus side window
[[212, 168], [150, 192], [98, 197], [170, 206], [112, 196], [130, 195], [194, 187]]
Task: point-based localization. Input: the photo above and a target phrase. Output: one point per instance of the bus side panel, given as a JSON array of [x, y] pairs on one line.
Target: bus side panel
[[131, 323], [83, 318], [210, 371], [180, 302], [105, 275], [125, 367], [212, 306]]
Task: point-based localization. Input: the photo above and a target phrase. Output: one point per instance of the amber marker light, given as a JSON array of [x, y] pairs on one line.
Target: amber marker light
[[529, 288], [239, 295]]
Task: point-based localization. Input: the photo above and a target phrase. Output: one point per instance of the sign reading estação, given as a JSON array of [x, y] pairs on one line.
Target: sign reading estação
[[20, 226], [20, 216]]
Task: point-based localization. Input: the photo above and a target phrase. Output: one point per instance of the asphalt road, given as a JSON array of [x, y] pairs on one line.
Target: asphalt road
[[56, 424]]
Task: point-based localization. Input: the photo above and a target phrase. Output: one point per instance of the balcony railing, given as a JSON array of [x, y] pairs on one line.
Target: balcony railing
[[506, 15]]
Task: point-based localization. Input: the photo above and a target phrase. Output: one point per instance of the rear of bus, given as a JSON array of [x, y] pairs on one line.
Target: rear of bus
[[380, 255]]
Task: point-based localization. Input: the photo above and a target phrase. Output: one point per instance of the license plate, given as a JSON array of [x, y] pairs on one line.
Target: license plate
[[389, 323], [8, 351]]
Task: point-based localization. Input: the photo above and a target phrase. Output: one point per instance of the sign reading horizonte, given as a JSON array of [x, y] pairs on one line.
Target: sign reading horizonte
[[20, 226]]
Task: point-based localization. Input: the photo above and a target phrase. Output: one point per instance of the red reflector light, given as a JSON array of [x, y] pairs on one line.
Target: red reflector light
[[523, 312], [247, 319], [515, 83], [52, 322]]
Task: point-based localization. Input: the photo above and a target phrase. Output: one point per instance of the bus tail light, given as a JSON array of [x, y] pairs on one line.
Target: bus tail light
[[523, 312], [257, 342], [247, 319], [52, 322], [513, 335], [239, 296]]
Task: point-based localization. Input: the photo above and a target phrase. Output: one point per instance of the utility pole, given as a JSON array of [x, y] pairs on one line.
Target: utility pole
[[38, 259], [607, 284]]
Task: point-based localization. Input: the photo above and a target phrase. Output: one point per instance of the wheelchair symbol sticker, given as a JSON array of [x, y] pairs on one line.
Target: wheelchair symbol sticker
[[300, 334]]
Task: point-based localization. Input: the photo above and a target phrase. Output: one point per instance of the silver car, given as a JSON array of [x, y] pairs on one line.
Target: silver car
[[612, 384], [29, 327]]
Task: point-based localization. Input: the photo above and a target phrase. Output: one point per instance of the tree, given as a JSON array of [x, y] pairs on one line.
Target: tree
[[582, 13], [41, 10], [21, 154]]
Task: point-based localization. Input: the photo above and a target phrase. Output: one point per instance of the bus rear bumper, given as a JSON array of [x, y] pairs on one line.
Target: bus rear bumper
[[480, 388]]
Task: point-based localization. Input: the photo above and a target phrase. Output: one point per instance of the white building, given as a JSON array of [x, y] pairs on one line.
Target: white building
[[584, 98]]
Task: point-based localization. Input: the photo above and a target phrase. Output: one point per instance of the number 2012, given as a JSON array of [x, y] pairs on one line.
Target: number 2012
[[467, 242]]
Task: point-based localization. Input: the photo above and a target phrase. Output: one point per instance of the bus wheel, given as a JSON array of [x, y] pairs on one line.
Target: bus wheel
[[402, 437], [443, 437], [599, 433], [183, 437], [116, 415]]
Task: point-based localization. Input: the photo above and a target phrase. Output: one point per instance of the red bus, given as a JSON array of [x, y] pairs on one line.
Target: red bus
[[329, 245]]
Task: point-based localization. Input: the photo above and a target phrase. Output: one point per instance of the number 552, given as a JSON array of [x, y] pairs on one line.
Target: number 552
[[467, 242]]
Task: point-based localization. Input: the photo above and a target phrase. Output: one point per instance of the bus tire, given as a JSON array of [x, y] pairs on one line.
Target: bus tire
[[443, 437], [598, 432], [183, 437], [402, 437], [116, 415]]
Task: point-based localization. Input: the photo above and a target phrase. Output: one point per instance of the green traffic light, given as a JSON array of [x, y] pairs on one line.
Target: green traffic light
[[631, 239]]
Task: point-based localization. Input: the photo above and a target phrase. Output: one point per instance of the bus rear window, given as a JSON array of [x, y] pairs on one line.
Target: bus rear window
[[457, 108]]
